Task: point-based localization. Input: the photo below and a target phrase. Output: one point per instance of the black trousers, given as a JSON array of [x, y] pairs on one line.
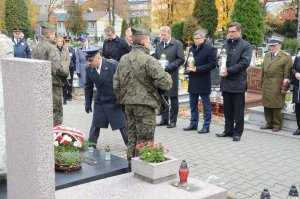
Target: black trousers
[[297, 110], [171, 115], [67, 89], [234, 104], [95, 132]]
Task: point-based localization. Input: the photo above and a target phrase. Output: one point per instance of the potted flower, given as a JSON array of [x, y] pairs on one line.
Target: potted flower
[[69, 144], [152, 163]]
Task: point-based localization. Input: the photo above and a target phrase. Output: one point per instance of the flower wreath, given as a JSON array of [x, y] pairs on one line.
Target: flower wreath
[[66, 135]]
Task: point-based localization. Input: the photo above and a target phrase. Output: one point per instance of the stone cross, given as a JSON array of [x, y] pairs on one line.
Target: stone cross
[[27, 94]]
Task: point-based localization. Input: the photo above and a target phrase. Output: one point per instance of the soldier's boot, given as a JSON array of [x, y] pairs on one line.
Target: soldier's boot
[[124, 134]]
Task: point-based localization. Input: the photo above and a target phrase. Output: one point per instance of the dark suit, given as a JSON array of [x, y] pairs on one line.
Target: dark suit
[[296, 88], [21, 49], [234, 85], [175, 56], [200, 82], [106, 111], [114, 49]]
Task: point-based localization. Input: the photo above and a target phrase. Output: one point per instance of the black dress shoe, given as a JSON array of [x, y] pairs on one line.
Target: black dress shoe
[[297, 132], [203, 131], [162, 123], [190, 128], [266, 127], [171, 125], [236, 138], [221, 135], [65, 102]]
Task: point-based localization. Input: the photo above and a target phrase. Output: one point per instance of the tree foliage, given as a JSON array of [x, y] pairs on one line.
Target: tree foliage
[[190, 26], [225, 8], [177, 30], [167, 12], [75, 23], [2, 14], [34, 14], [249, 14], [16, 15], [206, 13]]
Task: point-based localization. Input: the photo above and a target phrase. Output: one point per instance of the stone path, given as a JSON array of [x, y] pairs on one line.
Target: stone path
[[260, 160]]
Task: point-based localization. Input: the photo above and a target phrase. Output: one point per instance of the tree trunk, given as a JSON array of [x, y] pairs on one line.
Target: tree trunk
[[109, 13], [113, 13], [298, 32]]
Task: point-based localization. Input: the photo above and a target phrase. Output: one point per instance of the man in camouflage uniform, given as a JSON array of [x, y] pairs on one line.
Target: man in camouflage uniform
[[46, 50], [135, 82]]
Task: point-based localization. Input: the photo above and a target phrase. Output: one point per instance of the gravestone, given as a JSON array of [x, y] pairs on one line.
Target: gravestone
[[254, 93], [6, 51], [27, 94]]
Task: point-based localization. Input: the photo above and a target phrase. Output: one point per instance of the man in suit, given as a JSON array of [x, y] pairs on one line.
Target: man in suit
[[275, 73], [234, 81], [100, 73], [113, 46], [21, 47], [173, 49], [200, 80]]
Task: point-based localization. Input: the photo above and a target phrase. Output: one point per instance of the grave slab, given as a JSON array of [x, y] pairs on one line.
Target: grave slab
[[127, 186], [88, 173]]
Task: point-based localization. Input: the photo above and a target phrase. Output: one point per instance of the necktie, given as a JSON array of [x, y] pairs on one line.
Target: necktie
[[272, 55], [165, 44]]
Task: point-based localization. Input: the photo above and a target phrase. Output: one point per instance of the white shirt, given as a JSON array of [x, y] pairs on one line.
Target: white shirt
[[166, 43], [99, 68]]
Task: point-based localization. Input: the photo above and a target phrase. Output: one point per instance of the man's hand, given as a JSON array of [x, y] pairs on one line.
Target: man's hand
[[224, 73], [88, 109], [78, 74], [191, 69]]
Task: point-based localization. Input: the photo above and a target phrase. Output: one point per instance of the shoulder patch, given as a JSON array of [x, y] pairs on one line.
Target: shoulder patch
[[286, 53], [112, 61]]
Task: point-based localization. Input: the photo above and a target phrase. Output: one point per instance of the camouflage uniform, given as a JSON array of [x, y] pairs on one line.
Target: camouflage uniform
[[138, 98], [46, 50]]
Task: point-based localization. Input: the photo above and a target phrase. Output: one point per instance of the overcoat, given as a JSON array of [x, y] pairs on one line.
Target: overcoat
[[205, 60], [274, 71], [106, 111], [21, 49], [296, 88], [175, 56], [81, 64]]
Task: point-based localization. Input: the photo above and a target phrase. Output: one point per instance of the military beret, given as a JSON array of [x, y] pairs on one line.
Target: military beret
[[46, 25], [67, 38], [275, 40], [140, 29], [91, 52]]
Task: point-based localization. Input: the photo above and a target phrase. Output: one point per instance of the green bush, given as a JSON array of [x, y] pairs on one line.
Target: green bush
[[290, 45], [177, 30]]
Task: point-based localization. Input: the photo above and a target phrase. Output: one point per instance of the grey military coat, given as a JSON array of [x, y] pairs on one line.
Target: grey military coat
[[175, 56]]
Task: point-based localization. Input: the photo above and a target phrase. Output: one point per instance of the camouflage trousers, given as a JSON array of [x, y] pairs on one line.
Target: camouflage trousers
[[57, 105], [141, 124]]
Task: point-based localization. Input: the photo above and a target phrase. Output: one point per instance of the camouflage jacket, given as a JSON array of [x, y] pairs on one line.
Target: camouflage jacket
[[46, 50], [139, 64]]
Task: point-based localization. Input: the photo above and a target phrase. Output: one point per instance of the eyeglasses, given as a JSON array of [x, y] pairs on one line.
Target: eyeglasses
[[197, 38], [233, 31]]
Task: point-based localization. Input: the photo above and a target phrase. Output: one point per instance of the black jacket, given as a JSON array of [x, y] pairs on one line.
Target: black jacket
[[237, 63], [175, 56], [72, 59], [296, 89], [115, 50], [205, 61]]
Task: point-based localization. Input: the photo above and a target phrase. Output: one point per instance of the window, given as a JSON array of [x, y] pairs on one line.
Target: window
[[92, 24]]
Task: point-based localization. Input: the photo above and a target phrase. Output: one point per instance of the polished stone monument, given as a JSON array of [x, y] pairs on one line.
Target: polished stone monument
[[6, 51], [27, 96]]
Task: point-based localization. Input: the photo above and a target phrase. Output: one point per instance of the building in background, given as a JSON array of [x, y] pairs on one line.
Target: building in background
[[139, 9]]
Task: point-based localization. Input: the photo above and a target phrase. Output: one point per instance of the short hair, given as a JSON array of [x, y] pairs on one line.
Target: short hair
[[137, 39], [128, 31], [45, 32], [235, 24], [109, 28], [165, 29], [202, 33], [4, 32]]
